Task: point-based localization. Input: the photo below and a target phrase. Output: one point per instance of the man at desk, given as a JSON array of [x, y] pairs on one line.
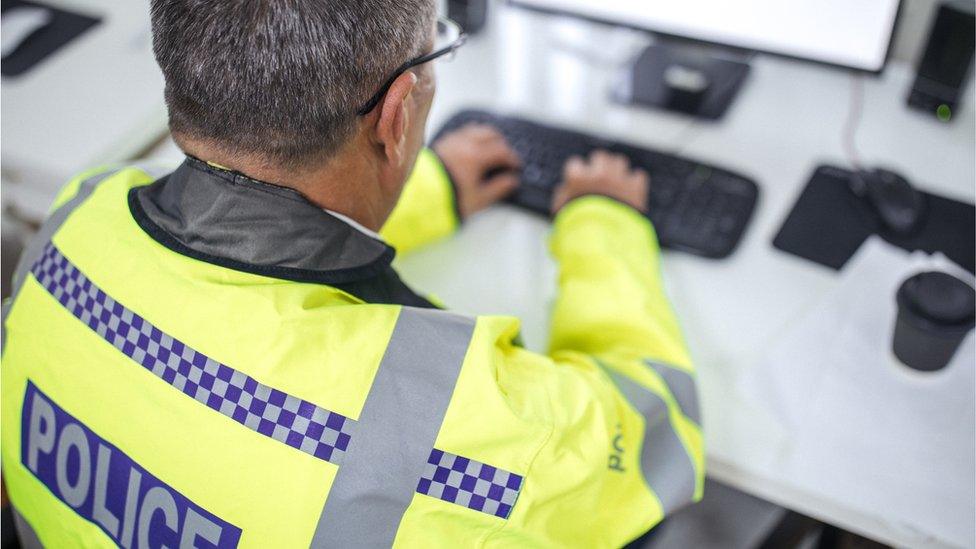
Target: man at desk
[[223, 355]]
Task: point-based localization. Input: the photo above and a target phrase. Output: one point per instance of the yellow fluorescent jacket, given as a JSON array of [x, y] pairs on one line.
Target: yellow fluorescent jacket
[[152, 397]]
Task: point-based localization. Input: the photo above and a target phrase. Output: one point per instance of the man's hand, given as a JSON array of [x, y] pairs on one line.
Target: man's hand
[[606, 174], [470, 155]]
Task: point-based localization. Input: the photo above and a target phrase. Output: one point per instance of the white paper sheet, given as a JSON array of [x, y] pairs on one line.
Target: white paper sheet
[[865, 429]]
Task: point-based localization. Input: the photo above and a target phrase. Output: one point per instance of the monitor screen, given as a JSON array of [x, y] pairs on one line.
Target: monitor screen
[[851, 33]]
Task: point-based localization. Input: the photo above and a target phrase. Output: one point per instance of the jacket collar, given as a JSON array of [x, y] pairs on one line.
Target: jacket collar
[[229, 219]]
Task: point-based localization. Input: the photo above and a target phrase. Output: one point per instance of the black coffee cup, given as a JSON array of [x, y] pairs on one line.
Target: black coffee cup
[[935, 313]]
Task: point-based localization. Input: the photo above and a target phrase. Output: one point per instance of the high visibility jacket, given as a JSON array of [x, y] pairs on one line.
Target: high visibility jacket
[[207, 360]]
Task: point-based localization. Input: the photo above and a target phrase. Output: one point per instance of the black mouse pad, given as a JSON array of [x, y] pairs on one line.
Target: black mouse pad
[[65, 26], [829, 223]]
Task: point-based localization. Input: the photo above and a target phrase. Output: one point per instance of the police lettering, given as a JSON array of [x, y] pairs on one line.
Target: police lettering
[[103, 485], [617, 452]]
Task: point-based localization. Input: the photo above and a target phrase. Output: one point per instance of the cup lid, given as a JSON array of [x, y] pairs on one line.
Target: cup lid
[[939, 300]]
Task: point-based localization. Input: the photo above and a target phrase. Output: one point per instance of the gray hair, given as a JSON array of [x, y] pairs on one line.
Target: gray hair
[[282, 79]]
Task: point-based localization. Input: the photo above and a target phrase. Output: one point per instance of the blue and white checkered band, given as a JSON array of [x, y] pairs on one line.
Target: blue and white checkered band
[[266, 410], [470, 483], [272, 413]]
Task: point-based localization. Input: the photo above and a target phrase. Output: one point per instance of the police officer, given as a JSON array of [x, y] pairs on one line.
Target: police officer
[[223, 356]]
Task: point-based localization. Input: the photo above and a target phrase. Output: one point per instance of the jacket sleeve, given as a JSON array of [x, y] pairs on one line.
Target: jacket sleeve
[[427, 209], [626, 446]]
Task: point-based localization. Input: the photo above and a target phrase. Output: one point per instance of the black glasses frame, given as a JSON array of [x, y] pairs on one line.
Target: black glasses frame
[[375, 100]]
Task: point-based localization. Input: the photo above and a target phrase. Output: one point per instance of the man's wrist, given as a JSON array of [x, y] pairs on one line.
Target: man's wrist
[[452, 186], [639, 211], [596, 217]]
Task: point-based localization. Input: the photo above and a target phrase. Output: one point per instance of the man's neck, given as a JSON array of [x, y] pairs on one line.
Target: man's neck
[[340, 185]]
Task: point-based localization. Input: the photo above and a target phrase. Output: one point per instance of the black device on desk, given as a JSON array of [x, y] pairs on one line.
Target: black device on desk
[[892, 200], [60, 27], [695, 207], [470, 14], [944, 68], [840, 208]]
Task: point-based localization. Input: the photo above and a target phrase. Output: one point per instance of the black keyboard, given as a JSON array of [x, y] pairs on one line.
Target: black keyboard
[[695, 207]]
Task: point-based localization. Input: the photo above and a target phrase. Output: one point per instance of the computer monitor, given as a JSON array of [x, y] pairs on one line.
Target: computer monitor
[[855, 34], [850, 33]]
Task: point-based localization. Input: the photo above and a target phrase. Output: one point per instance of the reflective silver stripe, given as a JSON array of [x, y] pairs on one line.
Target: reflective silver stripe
[[396, 430], [51, 226], [682, 386], [667, 467], [25, 532]]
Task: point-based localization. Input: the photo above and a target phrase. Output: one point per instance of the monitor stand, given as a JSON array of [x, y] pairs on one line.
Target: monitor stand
[[681, 79]]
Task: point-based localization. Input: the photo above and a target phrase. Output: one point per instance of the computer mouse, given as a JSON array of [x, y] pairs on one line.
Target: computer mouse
[[898, 205]]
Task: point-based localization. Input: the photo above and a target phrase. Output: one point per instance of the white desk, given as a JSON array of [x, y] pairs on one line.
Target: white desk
[[97, 100], [787, 119]]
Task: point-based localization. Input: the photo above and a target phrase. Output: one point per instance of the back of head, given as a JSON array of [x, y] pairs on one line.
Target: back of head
[[280, 80]]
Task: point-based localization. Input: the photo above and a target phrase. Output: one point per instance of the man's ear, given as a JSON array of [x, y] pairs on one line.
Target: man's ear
[[391, 126]]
